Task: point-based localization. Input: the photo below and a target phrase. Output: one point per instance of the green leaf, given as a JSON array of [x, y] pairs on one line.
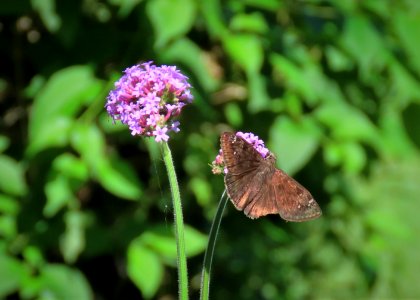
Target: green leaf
[[250, 60], [214, 17], [61, 282], [33, 256], [351, 156], [9, 205], [254, 22], [294, 143], [395, 141], [201, 189], [144, 268], [186, 52], [291, 76], [89, 141], [71, 166], [390, 195], [8, 227], [59, 195], [162, 240], [170, 19], [270, 5], [12, 179], [115, 175], [72, 242], [364, 43], [12, 271], [258, 96], [233, 114], [407, 27], [405, 87], [56, 134], [126, 6], [46, 9], [337, 60], [195, 241], [4, 143], [347, 123], [63, 96], [119, 177]]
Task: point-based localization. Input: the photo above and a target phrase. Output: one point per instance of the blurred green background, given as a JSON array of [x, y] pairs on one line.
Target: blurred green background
[[333, 87]]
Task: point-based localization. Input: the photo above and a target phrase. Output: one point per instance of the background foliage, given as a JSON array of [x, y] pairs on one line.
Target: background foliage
[[332, 86]]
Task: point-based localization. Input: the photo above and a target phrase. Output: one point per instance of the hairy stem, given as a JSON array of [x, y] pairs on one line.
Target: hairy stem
[[179, 224], [208, 256]]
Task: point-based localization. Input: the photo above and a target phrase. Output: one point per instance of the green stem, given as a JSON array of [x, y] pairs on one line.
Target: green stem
[[179, 224], [208, 256]]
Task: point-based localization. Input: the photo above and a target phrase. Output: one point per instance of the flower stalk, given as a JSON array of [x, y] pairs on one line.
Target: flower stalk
[[179, 224], [208, 256]]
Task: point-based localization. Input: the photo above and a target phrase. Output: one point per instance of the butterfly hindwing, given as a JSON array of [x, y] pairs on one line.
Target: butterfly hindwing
[[294, 202]]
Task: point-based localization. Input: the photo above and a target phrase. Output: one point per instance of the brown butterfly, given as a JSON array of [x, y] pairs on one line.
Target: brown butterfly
[[255, 185]]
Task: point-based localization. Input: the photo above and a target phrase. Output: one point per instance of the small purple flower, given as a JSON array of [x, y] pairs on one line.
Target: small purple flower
[[254, 141], [160, 134], [218, 165], [147, 98]]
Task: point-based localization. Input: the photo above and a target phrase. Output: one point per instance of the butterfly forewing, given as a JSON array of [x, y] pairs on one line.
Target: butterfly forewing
[[255, 186], [247, 175]]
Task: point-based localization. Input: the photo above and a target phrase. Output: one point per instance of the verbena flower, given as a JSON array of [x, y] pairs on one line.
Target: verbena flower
[[218, 165], [148, 97]]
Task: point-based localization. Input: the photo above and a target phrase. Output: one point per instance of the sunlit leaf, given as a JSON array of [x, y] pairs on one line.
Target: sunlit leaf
[[258, 96], [144, 268], [186, 52], [407, 27], [71, 166], [170, 18], [365, 44], [64, 94], [294, 143], [61, 282], [162, 240], [46, 9], [12, 272], [126, 6], [59, 195], [12, 180], [119, 178], [72, 241], [4, 143], [54, 134], [251, 59], [89, 141], [202, 190], [346, 122], [254, 22], [195, 241]]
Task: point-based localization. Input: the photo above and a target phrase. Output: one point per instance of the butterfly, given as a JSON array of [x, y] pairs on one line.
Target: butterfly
[[258, 188]]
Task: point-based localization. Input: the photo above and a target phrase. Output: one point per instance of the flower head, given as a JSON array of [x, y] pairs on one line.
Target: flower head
[[147, 98], [218, 165]]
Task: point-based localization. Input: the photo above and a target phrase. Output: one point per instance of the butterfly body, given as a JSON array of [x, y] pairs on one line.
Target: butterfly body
[[257, 187]]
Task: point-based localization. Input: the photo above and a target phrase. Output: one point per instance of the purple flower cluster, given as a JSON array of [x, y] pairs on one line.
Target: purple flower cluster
[[147, 97], [218, 165], [255, 141]]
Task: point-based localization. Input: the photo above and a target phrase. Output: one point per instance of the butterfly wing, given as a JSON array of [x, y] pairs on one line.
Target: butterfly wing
[[247, 177], [294, 202]]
